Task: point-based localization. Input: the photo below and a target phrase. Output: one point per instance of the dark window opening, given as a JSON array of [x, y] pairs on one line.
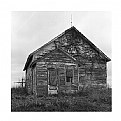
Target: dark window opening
[[69, 75], [68, 79]]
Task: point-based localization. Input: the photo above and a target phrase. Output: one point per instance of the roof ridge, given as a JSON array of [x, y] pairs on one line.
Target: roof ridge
[[52, 40], [85, 39]]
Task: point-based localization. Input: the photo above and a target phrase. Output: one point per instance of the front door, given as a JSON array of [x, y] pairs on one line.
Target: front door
[[52, 82]]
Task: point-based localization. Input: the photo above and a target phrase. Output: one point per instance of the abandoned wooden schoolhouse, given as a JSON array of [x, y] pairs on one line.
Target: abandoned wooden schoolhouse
[[65, 64]]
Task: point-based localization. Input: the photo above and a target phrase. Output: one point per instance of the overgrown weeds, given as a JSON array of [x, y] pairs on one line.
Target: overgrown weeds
[[90, 99]]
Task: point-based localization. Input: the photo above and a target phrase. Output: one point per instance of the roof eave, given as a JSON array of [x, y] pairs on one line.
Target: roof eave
[[75, 60], [28, 62], [108, 60]]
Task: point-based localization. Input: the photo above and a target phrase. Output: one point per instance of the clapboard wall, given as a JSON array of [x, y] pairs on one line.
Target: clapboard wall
[[71, 54]]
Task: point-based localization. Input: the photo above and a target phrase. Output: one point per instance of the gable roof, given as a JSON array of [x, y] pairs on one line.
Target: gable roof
[[53, 40], [52, 51], [93, 46]]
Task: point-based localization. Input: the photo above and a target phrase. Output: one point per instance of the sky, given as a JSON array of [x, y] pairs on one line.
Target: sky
[[32, 29]]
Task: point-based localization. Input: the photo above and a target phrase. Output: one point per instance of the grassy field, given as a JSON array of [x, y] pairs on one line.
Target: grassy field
[[93, 99]]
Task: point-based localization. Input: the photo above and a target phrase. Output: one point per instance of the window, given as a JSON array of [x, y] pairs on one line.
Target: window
[[61, 73], [69, 75], [68, 79]]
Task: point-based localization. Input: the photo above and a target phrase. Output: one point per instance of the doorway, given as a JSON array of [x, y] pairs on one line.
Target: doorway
[[52, 81]]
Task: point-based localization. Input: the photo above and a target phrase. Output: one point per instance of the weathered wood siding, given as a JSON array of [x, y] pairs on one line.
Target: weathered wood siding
[[43, 51], [61, 64], [93, 68], [92, 74], [89, 68], [29, 80], [34, 80], [85, 74], [99, 73], [77, 46], [57, 56], [42, 78]]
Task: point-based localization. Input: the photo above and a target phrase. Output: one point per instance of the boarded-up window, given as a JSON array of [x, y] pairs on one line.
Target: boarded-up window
[[61, 73]]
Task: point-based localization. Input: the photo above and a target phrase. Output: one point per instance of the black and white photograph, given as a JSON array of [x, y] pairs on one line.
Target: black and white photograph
[[61, 61]]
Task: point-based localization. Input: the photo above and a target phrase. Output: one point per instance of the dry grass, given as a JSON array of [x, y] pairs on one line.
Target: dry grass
[[92, 99]]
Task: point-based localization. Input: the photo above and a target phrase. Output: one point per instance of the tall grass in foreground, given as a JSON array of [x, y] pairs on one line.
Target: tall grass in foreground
[[88, 99]]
